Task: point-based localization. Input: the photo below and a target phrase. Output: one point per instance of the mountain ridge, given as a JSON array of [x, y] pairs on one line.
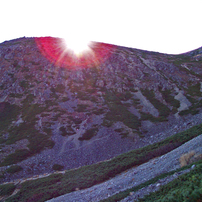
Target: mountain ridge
[[74, 117]]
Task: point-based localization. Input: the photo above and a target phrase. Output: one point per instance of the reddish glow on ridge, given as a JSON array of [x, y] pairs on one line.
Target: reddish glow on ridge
[[56, 50]]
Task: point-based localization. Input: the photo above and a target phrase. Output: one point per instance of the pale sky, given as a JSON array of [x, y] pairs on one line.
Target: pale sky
[[166, 26]]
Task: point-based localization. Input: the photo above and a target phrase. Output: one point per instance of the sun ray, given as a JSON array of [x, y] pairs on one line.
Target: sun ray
[[77, 45], [74, 54]]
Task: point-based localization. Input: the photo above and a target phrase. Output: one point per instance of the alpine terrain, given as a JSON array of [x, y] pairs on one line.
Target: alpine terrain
[[79, 118]]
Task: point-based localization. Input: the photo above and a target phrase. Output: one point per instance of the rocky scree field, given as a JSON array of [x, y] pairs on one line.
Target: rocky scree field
[[55, 118]]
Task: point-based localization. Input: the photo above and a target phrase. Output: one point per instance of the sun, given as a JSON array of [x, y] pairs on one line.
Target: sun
[[77, 45], [74, 52]]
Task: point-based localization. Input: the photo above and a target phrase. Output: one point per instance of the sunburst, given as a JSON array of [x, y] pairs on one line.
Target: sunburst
[[78, 45], [73, 52]]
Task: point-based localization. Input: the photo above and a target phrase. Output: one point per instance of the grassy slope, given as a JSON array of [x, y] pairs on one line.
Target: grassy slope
[[189, 182], [187, 187], [87, 176]]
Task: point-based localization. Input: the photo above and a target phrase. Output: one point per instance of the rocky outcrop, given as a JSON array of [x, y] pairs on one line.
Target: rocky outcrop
[[79, 116]]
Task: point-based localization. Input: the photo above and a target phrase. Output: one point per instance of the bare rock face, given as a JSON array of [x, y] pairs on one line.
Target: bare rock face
[[79, 116]]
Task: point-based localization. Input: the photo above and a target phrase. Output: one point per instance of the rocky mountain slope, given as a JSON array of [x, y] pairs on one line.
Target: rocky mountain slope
[[65, 115], [136, 176]]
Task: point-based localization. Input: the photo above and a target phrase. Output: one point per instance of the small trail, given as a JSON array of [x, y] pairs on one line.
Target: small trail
[[20, 181]]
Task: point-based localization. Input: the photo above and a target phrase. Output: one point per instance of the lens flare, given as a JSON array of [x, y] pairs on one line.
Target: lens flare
[[73, 53], [78, 46]]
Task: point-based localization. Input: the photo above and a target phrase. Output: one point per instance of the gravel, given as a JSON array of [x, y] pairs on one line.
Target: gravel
[[106, 145], [135, 176]]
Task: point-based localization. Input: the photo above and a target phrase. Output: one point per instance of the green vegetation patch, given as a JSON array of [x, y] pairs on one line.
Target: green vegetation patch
[[16, 95], [14, 169], [119, 130], [60, 88], [68, 131], [65, 99], [98, 111], [194, 90], [82, 95], [124, 96], [39, 142], [57, 167], [39, 190], [75, 120], [169, 98], [2, 86], [89, 134], [16, 157], [187, 187], [122, 132], [24, 84], [63, 131], [179, 59], [155, 196], [87, 176], [118, 112], [185, 59], [26, 130], [8, 113], [81, 108], [164, 111], [193, 109], [135, 101], [7, 189], [147, 116]]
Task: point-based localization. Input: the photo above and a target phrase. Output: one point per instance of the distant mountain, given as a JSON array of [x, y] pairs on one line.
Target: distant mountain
[[59, 111]]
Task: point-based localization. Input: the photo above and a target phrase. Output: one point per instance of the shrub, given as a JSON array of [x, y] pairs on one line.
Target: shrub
[[24, 84], [86, 176], [83, 95], [39, 142], [124, 96], [18, 156], [195, 90], [57, 167], [65, 99], [98, 111], [136, 101], [7, 189], [169, 98], [119, 130], [162, 150], [1, 176], [147, 116], [186, 187], [16, 95], [75, 120], [120, 113], [14, 169], [164, 111], [60, 88], [107, 123], [89, 134], [63, 131], [8, 113], [192, 109], [81, 108], [124, 134]]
